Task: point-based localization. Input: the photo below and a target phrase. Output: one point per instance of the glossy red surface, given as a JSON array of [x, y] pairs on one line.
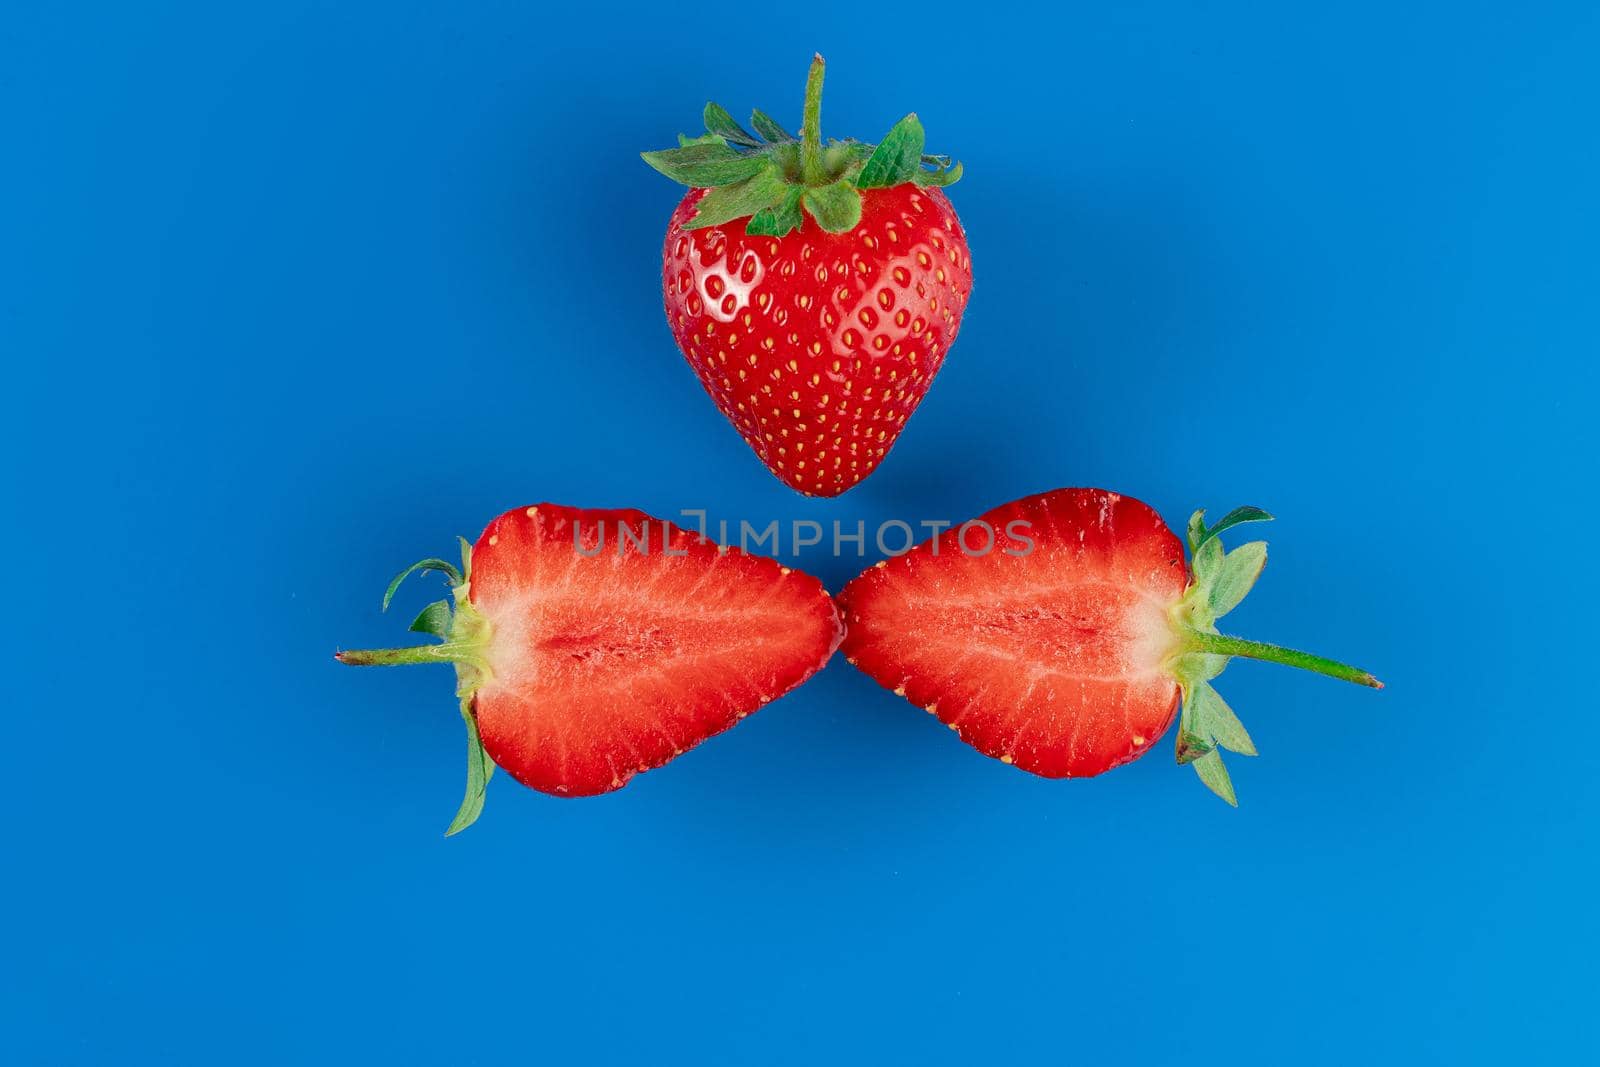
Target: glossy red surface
[[819, 346]]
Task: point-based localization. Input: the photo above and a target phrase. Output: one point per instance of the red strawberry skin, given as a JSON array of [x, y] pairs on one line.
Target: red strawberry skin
[[1054, 660], [819, 346], [600, 667]]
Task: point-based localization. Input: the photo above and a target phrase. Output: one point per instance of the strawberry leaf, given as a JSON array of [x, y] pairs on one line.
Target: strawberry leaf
[[769, 129], [424, 565], [704, 166], [1234, 576], [827, 175], [433, 619], [1192, 741], [480, 768], [1232, 519], [1201, 666], [1207, 562], [739, 200], [719, 122], [898, 157], [1191, 746], [836, 207], [1215, 776], [1216, 720], [780, 218], [1197, 530], [945, 175]]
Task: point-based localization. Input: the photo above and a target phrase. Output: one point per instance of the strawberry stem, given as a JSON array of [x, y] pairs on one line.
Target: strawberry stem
[[811, 169], [391, 657], [1223, 645]]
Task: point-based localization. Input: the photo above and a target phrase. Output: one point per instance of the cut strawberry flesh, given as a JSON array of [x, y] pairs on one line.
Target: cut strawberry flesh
[[1054, 659], [604, 665]]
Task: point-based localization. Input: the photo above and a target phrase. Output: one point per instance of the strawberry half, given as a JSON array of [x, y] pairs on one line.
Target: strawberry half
[[1061, 632], [815, 289], [590, 645]]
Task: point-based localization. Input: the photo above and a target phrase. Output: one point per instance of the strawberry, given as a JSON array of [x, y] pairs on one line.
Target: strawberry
[[1060, 633], [590, 645], [814, 289]]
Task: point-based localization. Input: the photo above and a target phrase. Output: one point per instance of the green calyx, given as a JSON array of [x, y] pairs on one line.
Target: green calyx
[[1220, 580], [774, 178], [464, 641]]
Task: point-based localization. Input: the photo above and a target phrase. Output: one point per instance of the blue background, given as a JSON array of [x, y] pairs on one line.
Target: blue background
[[290, 295]]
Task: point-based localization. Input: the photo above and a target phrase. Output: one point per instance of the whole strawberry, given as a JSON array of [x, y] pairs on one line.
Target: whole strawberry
[[815, 289], [1061, 632]]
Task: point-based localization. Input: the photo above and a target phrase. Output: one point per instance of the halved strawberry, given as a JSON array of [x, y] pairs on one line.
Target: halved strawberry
[[1059, 632], [591, 645]]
